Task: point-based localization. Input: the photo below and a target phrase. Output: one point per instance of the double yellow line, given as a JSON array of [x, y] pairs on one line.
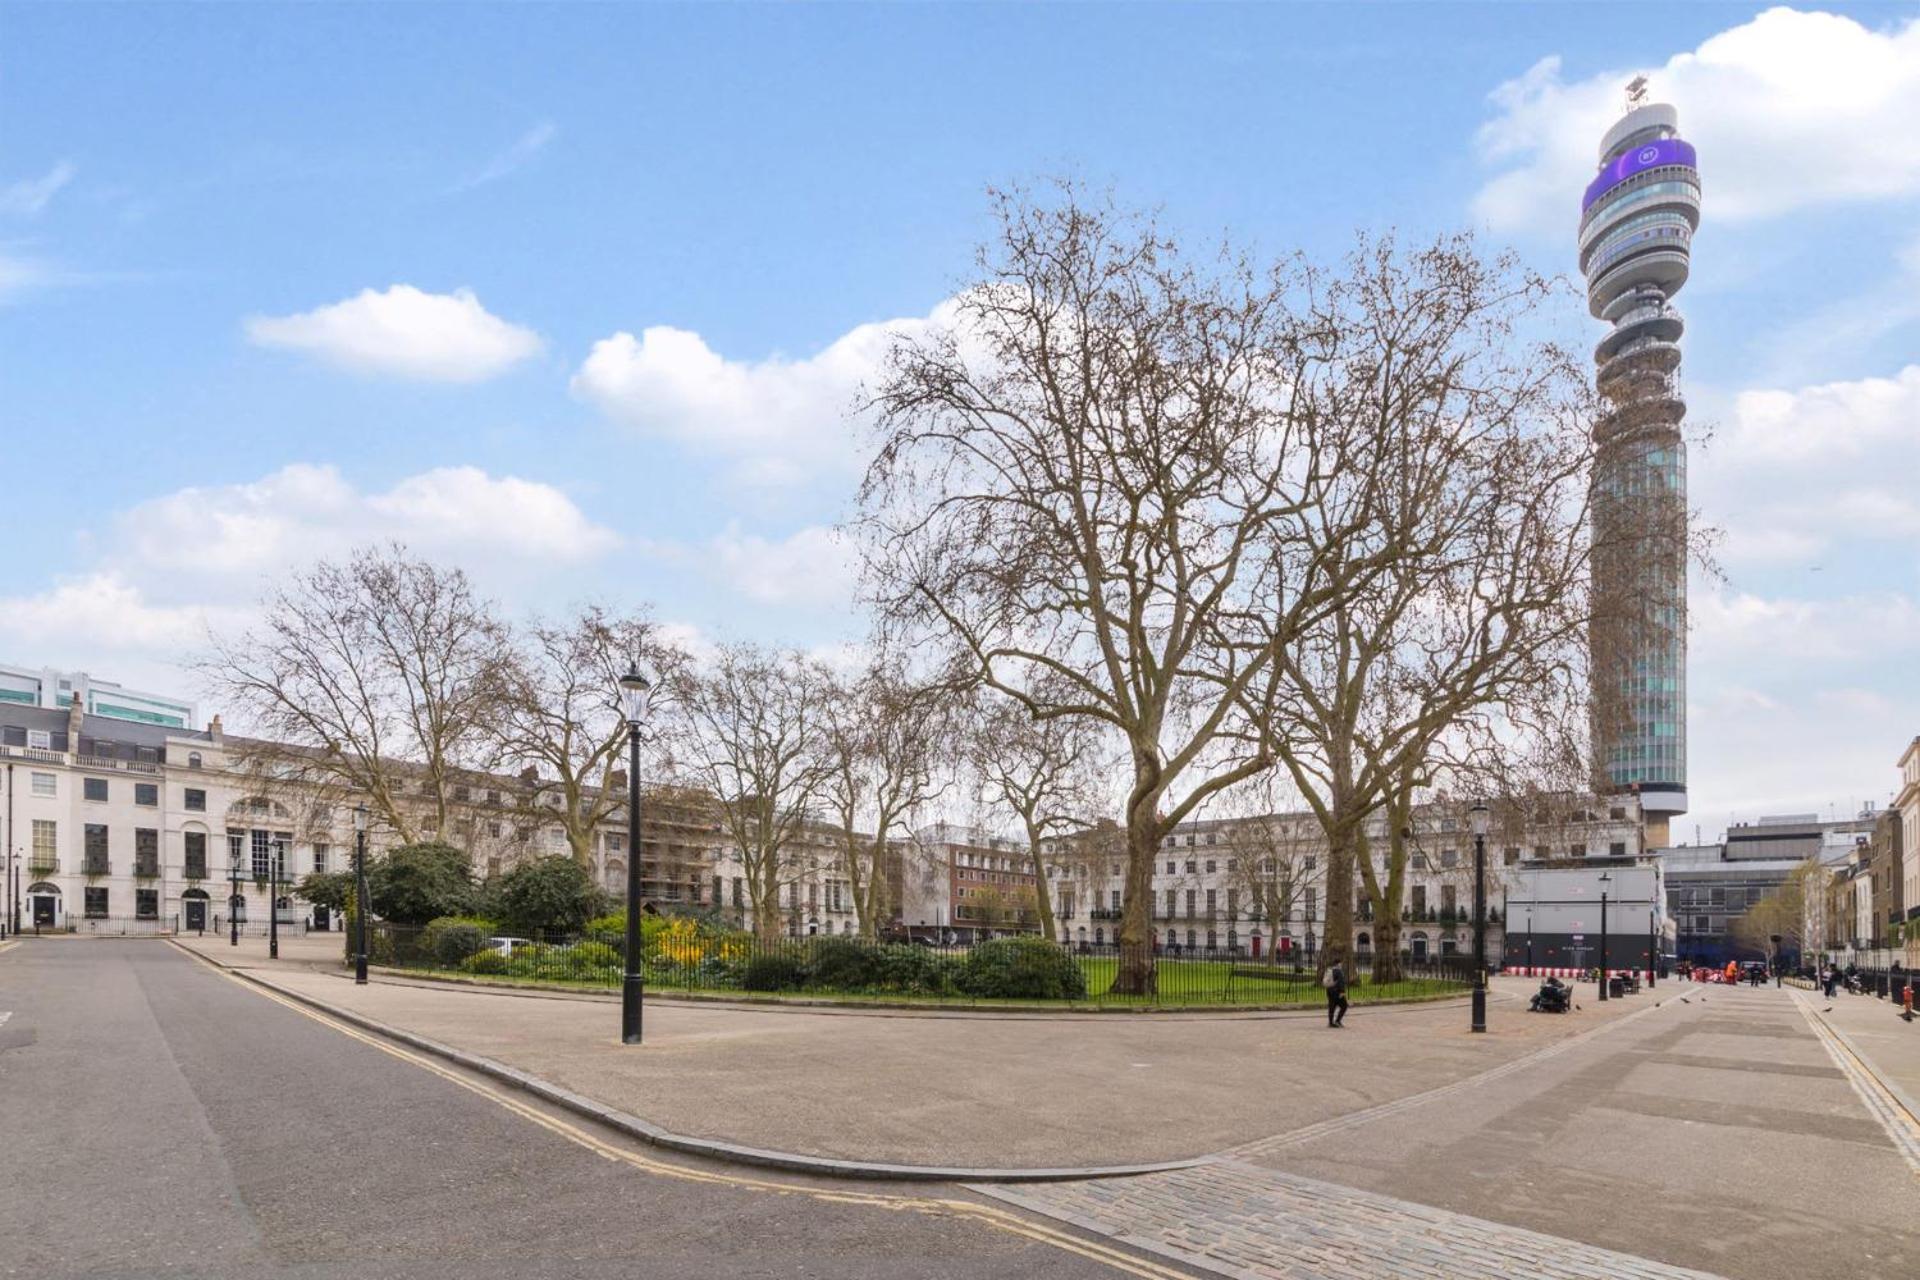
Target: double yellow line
[[932, 1206]]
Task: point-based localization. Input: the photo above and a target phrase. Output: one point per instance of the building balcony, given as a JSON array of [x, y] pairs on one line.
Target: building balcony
[[41, 864], [96, 867], [196, 870], [1105, 913], [107, 762], [146, 868]]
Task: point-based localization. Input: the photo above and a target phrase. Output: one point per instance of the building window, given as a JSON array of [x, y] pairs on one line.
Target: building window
[[1540, 851], [1192, 866], [96, 903], [1192, 894], [196, 800], [196, 855], [1210, 865], [193, 759], [147, 794], [93, 788], [261, 847], [1449, 858], [146, 904], [46, 845], [1170, 907], [1578, 850], [96, 849], [45, 784], [320, 852], [1211, 903], [739, 898], [146, 851], [1617, 849], [1513, 854]]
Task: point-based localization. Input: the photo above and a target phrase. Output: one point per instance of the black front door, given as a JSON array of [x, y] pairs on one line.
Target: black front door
[[322, 919], [196, 915], [43, 911]]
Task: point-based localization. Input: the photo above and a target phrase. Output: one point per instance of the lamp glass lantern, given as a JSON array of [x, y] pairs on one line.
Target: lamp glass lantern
[[636, 692], [1478, 817]]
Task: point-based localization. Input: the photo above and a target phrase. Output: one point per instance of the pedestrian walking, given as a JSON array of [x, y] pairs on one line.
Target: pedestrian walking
[[1335, 981]]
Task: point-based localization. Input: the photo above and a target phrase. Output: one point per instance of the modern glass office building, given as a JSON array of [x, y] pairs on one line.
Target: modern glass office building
[[1636, 227]]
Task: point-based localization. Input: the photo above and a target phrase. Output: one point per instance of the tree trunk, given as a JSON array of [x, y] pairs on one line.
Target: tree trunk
[[1042, 896], [1337, 944], [1135, 974], [1386, 940]]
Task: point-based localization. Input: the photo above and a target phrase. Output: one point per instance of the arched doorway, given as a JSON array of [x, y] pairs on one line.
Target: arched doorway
[[1419, 945], [237, 908], [44, 907], [193, 907]]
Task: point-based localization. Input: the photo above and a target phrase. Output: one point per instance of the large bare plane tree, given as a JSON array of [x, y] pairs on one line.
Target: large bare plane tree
[[1480, 603], [372, 678], [884, 749], [1094, 486], [752, 731], [561, 716]]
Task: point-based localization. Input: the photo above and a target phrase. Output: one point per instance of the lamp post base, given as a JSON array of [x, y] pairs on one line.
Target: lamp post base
[[631, 993]]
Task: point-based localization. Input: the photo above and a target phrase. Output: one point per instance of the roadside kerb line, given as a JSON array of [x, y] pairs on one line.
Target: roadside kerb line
[[937, 1207], [710, 1148], [1354, 1119], [1884, 1101]]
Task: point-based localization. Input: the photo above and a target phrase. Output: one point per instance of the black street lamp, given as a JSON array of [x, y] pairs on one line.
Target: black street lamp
[[635, 692], [1653, 953], [273, 899], [1479, 815], [233, 895], [1605, 880], [360, 895]]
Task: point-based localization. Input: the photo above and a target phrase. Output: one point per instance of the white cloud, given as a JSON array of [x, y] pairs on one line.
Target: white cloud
[[29, 196], [1832, 423], [524, 148], [1815, 475], [99, 621], [1788, 110], [403, 332], [303, 511], [779, 420], [813, 567]]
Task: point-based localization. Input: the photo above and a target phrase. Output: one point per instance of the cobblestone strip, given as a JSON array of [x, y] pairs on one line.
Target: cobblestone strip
[[1239, 1220], [1901, 1127], [1354, 1119]]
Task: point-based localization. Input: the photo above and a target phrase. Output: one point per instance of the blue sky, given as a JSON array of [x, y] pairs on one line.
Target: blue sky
[[185, 192]]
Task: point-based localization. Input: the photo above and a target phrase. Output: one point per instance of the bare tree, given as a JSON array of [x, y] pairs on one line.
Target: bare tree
[[1475, 603], [561, 717], [1095, 486], [883, 744], [1279, 856], [374, 678], [1040, 772], [753, 733]]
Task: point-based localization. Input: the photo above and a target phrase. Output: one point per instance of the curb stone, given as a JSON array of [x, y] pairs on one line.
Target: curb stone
[[648, 1132]]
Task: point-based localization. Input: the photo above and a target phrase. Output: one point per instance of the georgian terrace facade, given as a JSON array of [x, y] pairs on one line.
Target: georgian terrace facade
[[113, 826], [1207, 880]]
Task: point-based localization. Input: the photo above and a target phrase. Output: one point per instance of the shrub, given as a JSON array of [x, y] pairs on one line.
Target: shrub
[[416, 883], [592, 959], [450, 939], [842, 964], [1025, 968], [552, 894], [774, 971], [609, 929], [488, 961], [914, 971]]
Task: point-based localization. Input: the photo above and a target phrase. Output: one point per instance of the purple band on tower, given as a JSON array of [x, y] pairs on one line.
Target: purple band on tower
[[1624, 166]]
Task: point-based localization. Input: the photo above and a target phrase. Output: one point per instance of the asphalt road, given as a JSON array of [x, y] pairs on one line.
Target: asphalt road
[[160, 1119]]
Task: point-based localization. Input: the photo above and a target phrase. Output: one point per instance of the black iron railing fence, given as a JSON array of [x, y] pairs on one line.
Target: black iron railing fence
[[682, 956]]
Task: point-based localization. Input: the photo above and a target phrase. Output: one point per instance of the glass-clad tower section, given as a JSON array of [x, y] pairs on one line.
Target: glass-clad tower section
[[1636, 228]]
